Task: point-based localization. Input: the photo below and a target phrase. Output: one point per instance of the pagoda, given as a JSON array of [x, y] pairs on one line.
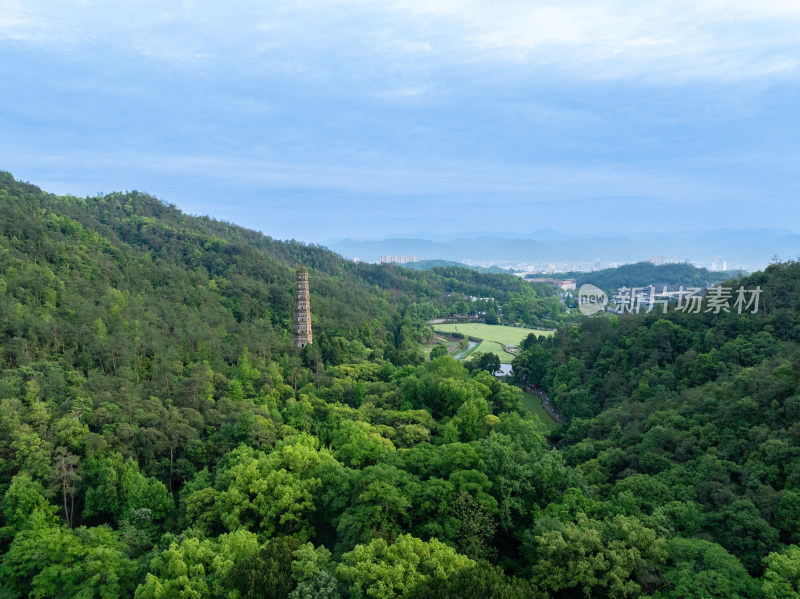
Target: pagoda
[[302, 310]]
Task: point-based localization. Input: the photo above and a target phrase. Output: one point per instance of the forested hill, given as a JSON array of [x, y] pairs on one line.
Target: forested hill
[[123, 279], [691, 420], [203, 288], [429, 264], [161, 438], [643, 274]]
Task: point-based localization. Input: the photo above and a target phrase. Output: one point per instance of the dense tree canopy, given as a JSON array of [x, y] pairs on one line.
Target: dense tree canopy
[[161, 437]]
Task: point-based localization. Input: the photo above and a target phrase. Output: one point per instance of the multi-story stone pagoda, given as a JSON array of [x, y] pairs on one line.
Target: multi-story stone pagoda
[[302, 310]]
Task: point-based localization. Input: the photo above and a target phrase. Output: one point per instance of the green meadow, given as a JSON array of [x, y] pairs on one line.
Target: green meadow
[[491, 332], [492, 347], [533, 404]]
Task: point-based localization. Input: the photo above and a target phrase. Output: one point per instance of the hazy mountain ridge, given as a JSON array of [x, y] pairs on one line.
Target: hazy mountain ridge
[[749, 248]]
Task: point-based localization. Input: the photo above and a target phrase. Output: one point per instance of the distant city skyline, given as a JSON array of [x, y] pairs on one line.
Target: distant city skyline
[[340, 119], [714, 249]]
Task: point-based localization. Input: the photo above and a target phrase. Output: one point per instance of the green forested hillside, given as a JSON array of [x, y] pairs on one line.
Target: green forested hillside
[[429, 264], [160, 437], [129, 260], [141, 348], [643, 274], [691, 421]]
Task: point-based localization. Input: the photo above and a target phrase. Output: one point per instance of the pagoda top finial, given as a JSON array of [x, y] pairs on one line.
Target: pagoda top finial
[[302, 269]]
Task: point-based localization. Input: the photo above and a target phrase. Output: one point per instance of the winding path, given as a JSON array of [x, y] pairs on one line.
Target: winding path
[[459, 355]]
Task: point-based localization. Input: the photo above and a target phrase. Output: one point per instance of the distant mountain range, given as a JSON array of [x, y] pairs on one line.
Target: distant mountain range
[[749, 249]]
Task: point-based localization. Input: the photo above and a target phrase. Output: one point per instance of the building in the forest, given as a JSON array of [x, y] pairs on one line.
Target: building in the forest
[[302, 310]]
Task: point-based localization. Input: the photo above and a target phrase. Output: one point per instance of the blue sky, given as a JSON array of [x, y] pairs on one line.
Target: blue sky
[[319, 120]]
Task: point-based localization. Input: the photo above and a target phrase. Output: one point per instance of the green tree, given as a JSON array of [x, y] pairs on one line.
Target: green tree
[[480, 580], [24, 498], [599, 559], [65, 475], [380, 506], [782, 574], [697, 568], [269, 493], [322, 585], [490, 362], [198, 568], [476, 529], [268, 573], [386, 571], [115, 487], [61, 563], [438, 351], [357, 444]]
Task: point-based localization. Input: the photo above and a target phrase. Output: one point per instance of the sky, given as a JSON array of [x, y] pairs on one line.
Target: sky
[[333, 119]]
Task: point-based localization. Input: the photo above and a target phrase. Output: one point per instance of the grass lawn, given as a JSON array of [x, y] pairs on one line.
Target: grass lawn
[[533, 404], [491, 332], [492, 347]]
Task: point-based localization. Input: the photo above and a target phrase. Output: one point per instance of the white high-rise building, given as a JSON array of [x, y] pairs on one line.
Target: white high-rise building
[[398, 259]]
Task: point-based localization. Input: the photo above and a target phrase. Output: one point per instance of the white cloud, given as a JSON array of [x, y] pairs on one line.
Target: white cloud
[[17, 23], [660, 40], [674, 39]]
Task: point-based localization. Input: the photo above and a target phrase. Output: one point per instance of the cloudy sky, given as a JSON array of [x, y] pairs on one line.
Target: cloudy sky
[[326, 119]]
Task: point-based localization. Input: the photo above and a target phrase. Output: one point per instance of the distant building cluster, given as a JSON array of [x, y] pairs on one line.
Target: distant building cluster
[[398, 259], [662, 260], [527, 268], [716, 265]]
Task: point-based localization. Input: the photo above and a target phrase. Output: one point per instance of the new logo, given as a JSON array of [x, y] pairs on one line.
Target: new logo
[[591, 299]]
